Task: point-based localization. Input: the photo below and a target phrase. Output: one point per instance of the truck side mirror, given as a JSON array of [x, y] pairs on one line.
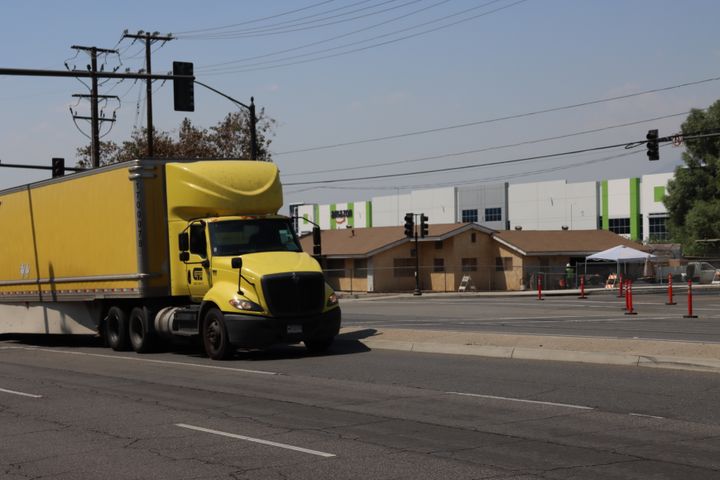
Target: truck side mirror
[[317, 241], [184, 242], [184, 256], [236, 262]]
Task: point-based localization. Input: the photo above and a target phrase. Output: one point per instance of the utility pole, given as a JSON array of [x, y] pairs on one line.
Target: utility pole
[[94, 116], [149, 38]]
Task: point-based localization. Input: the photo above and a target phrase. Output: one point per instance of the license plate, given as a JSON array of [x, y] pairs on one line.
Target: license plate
[[294, 329]]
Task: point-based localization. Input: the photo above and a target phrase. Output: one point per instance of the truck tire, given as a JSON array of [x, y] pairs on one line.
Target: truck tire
[[116, 329], [318, 346], [140, 330], [214, 335]]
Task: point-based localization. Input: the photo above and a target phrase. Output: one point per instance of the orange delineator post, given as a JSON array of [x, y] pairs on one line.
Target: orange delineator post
[[629, 299], [540, 288], [671, 300], [690, 300], [582, 288]]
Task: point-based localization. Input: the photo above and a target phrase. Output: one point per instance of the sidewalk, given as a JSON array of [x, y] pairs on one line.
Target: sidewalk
[[609, 351]]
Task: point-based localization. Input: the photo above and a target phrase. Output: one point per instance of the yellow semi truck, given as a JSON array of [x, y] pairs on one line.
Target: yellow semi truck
[[158, 248]]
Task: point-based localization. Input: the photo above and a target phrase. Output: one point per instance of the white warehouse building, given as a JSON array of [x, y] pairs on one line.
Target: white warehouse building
[[630, 206]]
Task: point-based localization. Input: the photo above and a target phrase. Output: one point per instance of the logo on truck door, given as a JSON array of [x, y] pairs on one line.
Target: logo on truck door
[[197, 274]]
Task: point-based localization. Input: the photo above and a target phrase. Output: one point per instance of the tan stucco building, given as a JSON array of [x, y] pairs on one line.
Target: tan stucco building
[[382, 259]]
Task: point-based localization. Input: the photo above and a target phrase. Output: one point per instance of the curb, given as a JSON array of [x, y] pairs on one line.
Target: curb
[[525, 353]]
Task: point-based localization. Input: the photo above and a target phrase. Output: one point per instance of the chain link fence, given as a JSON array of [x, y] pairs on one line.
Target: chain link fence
[[485, 278]]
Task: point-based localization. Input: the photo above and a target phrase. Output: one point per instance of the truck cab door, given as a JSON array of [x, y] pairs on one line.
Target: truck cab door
[[198, 266]]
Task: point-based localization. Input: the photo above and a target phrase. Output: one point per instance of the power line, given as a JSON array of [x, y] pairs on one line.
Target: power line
[[473, 181], [263, 31], [256, 20], [368, 47], [487, 149], [501, 119], [326, 40], [464, 167]]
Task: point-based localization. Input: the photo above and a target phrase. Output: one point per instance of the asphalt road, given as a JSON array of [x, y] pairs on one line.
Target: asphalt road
[[75, 410], [599, 315]]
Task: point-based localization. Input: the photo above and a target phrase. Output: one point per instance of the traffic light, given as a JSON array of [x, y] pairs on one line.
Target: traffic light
[[652, 145], [183, 88], [409, 225], [423, 225], [58, 167]]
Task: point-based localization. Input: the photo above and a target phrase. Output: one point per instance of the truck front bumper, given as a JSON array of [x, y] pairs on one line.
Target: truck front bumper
[[253, 331]]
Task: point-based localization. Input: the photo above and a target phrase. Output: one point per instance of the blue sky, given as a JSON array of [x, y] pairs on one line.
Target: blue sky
[[527, 56]]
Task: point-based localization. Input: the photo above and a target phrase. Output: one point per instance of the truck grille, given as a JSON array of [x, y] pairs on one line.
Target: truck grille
[[294, 294]]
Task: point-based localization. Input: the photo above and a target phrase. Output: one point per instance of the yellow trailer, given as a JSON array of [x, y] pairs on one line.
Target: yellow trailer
[[159, 248]]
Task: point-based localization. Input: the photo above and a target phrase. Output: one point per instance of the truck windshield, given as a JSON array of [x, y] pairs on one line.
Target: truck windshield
[[238, 237]]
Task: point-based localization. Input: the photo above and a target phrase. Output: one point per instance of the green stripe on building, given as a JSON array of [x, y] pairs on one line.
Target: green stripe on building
[[333, 223], [368, 214], [351, 218], [635, 209], [605, 205], [305, 218], [316, 214]]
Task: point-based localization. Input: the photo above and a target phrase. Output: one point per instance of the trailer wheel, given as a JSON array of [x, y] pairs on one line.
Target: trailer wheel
[[215, 336], [141, 331], [116, 329], [318, 346]]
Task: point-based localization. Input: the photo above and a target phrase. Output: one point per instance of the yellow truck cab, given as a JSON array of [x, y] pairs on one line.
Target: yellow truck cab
[[159, 248]]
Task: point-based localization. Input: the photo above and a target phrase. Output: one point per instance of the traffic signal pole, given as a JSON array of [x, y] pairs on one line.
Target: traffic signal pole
[[417, 266]]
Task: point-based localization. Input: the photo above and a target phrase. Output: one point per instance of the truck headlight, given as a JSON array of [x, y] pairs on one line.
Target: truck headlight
[[242, 304], [332, 300]]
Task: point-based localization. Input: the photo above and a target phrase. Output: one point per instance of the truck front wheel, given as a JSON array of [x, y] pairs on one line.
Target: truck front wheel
[[215, 336], [116, 329]]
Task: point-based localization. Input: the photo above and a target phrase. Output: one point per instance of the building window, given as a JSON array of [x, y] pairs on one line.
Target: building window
[[404, 267], [335, 267], [658, 227], [470, 215], [503, 264], [469, 264], [360, 267], [473, 237], [438, 265], [621, 226], [493, 214], [438, 245]]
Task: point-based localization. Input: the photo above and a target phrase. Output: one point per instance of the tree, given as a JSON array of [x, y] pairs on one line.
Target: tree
[[693, 196], [230, 138]]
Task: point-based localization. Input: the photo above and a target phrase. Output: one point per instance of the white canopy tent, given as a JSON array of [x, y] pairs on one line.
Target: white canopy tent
[[621, 254]]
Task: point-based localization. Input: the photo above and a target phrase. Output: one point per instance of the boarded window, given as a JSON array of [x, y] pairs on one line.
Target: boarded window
[[503, 264]]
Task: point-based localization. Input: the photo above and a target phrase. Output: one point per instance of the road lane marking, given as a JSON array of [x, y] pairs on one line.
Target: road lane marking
[[646, 416], [146, 360], [522, 400], [256, 440], [22, 394]]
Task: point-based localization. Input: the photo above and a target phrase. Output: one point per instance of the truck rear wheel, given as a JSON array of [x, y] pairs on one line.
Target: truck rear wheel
[[116, 329], [141, 331], [215, 336]]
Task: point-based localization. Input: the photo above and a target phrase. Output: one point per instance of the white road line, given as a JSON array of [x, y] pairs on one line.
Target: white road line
[[510, 399], [159, 362], [22, 394], [256, 440], [646, 416]]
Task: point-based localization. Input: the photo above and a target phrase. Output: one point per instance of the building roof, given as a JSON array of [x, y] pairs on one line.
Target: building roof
[[562, 242], [365, 242]]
